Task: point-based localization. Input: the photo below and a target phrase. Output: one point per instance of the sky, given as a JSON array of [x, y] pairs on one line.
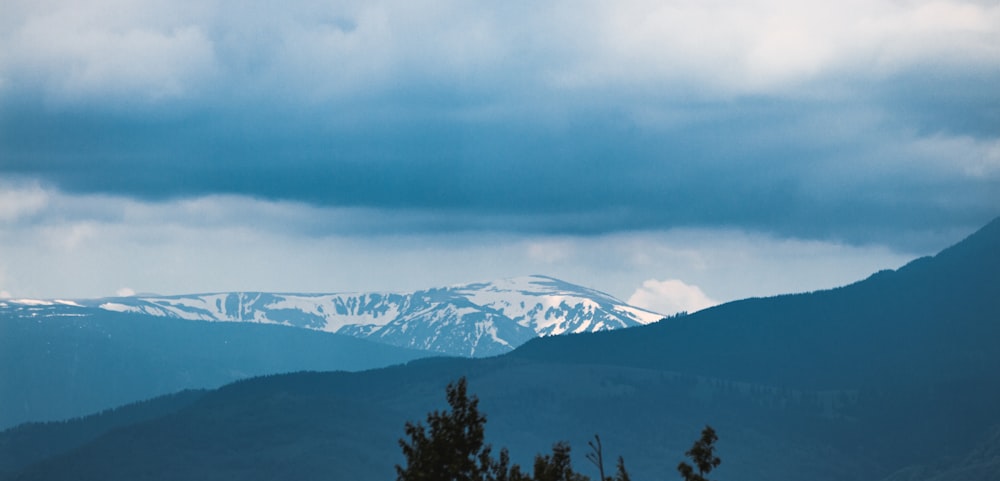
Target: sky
[[675, 154]]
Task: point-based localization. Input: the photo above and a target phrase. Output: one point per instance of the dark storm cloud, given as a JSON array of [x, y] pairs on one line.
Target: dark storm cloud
[[761, 164], [595, 127], [960, 102]]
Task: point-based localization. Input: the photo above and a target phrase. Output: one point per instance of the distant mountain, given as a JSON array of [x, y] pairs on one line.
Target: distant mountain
[[58, 360], [481, 319], [892, 378], [64, 358]]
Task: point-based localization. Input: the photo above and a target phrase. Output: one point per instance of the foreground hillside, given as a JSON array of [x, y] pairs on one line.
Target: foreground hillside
[[891, 378]]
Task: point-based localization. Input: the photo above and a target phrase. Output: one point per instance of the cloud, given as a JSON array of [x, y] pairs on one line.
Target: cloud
[[125, 292], [319, 50], [4, 294], [820, 172], [90, 245], [20, 201], [107, 50], [849, 122], [550, 251], [670, 296], [768, 46]]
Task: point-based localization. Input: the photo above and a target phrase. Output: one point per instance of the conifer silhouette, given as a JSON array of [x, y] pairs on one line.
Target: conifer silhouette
[[702, 453], [451, 447]]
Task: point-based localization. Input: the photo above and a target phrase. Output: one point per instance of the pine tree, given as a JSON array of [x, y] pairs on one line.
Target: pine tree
[[622, 474], [702, 453], [557, 466], [451, 447]]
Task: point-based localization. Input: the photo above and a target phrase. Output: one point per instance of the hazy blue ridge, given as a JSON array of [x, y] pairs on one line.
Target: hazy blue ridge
[[58, 362]]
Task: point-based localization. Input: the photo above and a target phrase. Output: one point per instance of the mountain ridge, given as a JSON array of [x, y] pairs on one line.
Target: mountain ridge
[[98, 353], [960, 283], [476, 319]]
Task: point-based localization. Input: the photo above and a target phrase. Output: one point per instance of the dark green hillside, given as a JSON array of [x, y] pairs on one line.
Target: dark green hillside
[[891, 378], [345, 425], [59, 362], [932, 320], [32, 442]]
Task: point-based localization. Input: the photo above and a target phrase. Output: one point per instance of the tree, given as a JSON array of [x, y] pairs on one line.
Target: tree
[[622, 474], [596, 456], [557, 466], [502, 470], [451, 447], [702, 453]]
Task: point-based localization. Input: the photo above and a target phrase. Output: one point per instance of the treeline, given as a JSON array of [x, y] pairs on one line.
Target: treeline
[[452, 447]]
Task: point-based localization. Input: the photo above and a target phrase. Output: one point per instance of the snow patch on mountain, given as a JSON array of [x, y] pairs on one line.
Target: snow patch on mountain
[[479, 319]]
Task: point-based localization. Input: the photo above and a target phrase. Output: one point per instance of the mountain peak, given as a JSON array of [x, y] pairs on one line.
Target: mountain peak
[[477, 319], [984, 243], [537, 284]]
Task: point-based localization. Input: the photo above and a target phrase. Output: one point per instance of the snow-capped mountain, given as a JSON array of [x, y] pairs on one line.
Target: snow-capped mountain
[[479, 319]]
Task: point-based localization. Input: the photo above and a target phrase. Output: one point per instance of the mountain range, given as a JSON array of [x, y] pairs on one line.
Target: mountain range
[[96, 354], [891, 378], [475, 320]]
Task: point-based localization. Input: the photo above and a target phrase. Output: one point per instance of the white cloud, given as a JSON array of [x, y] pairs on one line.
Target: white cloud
[[108, 48], [670, 296], [944, 32], [550, 251], [90, 245], [4, 294], [316, 50], [770, 45], [20, 201], [961, 155], [125, 292]]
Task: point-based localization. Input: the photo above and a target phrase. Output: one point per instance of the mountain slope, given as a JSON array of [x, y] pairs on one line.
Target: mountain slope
[[59, 361], [96, 354], [32, 442], [480, 319], [931, 318], [893, 377]]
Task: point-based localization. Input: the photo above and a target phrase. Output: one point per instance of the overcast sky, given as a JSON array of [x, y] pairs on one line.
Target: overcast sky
[[676, 153]]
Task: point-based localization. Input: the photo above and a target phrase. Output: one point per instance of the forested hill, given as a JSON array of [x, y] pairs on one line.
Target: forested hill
[[931, 320]]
